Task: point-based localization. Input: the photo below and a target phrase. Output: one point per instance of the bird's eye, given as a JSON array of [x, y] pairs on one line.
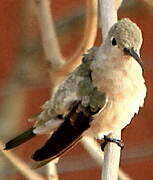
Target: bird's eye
[[114, 43]]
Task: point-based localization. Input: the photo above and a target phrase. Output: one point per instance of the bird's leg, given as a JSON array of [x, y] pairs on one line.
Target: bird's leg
[[109, 139]]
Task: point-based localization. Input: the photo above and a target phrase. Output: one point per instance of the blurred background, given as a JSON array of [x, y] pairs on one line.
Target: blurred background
[[25, 84]]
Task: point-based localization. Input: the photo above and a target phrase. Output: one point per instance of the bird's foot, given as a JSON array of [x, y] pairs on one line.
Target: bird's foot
[[109, 139]]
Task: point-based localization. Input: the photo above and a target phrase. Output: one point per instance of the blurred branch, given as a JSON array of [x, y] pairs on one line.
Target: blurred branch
[[20, 165], [89, 37], [90, 32], [49, 39], [31, 50]]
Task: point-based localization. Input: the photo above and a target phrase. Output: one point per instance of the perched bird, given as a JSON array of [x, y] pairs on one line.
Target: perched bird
[[101, 95]]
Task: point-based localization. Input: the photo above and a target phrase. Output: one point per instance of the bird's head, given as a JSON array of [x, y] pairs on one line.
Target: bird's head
[[125, 36]]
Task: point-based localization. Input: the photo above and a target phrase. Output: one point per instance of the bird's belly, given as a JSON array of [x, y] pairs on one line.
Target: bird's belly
[[125, 90], [116, 115]]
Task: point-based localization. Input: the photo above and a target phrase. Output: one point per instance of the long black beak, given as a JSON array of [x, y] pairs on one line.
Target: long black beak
[[132, 53]]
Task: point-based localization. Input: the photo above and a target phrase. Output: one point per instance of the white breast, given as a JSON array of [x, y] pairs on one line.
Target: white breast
[[123, 83]]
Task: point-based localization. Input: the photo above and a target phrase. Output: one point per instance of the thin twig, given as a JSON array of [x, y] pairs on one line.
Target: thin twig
[[89, 37], [20, 165], [90, 32], [108, 11], [50, 43], [111, 158], [95, 152]]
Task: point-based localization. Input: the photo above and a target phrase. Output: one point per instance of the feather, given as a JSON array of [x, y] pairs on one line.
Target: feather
[[20, 139]]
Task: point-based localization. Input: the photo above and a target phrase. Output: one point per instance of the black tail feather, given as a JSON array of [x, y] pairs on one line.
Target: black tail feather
[[20, 139]]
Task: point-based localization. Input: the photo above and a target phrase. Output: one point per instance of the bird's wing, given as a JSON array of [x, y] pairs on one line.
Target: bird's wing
[[65, 94], [67, 135]]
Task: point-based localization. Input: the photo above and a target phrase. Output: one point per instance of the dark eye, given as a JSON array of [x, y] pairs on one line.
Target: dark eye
[[114, 43]]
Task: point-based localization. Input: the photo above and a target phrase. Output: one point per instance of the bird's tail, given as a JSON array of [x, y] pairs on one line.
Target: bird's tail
[[20, 139]]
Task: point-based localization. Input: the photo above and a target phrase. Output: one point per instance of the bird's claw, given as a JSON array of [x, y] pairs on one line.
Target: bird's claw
[[109, 139]]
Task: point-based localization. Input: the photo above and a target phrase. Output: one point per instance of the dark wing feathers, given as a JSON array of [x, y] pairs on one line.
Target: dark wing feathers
[[66, 135]]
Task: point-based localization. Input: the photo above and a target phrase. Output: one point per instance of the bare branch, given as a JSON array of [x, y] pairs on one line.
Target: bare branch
[[90, 30], [108, 11], [87, 42], [111, 158], [50, 43], [94, 150]]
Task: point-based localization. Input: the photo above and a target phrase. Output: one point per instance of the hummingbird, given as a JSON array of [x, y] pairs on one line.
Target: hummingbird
[[101, 95]]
